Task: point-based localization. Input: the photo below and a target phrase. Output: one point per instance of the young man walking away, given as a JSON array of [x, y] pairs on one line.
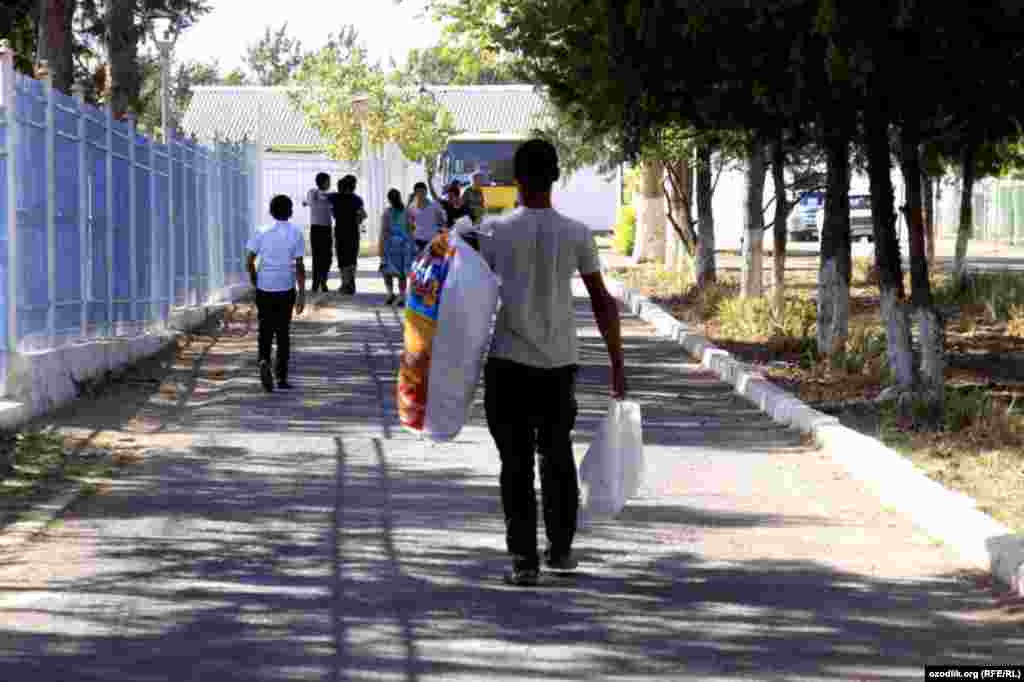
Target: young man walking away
[[319, 202], [530, 378], [280, 248], [349, 214]]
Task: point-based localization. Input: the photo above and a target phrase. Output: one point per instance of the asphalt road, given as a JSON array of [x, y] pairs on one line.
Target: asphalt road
[[306, 537]]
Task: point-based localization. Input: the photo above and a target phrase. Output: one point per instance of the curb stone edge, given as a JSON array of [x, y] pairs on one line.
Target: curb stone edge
[[945, 514]]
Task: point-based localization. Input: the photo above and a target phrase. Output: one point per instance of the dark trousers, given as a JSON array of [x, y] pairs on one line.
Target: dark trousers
[[533, 411], [420, 245], [322, 245], [275, 314], [346, 242]]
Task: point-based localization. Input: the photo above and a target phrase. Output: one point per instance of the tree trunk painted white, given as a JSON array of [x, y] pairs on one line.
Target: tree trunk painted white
[[932, 333], [705, 261], [896, 320], [834, 272], [965, 229], [650, 215], [752, 275], [928, 203]]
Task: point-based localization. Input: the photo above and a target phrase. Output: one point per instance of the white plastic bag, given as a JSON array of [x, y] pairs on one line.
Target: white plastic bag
[[469, 299], [613, 466]]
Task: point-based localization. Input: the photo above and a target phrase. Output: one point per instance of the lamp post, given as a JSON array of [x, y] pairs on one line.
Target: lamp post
[[165, 27]]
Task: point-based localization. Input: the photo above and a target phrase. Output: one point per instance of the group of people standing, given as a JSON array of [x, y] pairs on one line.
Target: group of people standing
[[348, 213], [406, 227]]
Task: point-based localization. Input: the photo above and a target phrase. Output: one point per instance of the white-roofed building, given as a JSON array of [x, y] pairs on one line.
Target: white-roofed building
[[294, 150]]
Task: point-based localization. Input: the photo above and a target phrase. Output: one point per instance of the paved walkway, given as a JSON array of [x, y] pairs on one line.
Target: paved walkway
[[307, 537]]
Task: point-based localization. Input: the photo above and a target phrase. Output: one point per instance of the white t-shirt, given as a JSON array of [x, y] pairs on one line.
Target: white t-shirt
[[319, 207], [277, 245], [429, 220], [536, 253]]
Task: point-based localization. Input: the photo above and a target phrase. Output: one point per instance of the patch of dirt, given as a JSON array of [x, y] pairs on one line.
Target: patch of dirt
[[982, 455]]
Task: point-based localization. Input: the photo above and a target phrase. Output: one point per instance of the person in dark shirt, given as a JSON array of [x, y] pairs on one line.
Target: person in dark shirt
[[349, 214], [452, 203]]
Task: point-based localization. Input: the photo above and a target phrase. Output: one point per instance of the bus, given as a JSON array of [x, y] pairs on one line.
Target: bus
[[490, 155]]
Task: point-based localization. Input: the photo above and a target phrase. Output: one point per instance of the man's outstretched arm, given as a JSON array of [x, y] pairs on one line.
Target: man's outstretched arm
[[606, 313]]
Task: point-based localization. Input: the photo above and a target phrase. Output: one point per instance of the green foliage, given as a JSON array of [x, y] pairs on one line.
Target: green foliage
[[275, 56], [967, 407], [999, 292], [341, 93], [625, 231], [754, 318]]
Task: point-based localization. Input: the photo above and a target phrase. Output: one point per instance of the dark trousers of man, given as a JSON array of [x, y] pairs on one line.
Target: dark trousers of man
[[321, 244], [275, 313], [346, 242], [533, 410]]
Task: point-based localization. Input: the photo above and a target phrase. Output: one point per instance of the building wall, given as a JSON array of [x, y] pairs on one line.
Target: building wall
[[590, 197]]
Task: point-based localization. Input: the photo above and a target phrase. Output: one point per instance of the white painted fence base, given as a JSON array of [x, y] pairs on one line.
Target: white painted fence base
[[44, 381]]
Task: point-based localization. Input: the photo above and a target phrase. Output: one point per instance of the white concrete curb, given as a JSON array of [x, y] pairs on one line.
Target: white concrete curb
[[947, 515]]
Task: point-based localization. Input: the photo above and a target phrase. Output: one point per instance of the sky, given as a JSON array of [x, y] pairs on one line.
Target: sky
[[385, 29]]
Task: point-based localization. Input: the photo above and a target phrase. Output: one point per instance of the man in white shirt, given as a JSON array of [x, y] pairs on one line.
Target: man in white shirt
[[319, 202], [280, 248], [530, 376], [428, 216]]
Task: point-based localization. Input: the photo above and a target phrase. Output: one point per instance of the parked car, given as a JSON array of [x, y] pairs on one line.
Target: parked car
[[803, 220], [861, 226]]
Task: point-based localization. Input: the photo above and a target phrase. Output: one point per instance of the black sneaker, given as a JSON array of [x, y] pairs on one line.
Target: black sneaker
[[523, 577], [564, 563], [267, 377], [284, 385]]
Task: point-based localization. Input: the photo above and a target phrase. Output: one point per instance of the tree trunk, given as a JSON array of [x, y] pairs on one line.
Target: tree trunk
[[780, 234], [706, 270], [680, 237], [920, 288], [894, 312], [54, 41], [931, 332], [752, 277], [650, 214], [122, 45], [928, 200], [965, 230], [834, 273]]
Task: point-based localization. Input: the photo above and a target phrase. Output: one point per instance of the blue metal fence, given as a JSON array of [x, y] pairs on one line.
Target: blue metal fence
[[103, 230]]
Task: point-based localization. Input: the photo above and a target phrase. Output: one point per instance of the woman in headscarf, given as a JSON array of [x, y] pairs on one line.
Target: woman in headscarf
[[397, 249]]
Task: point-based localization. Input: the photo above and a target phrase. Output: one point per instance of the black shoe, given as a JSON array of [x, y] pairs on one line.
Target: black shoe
[[523, 577], [284, 385], [267, 377], [564, 563]]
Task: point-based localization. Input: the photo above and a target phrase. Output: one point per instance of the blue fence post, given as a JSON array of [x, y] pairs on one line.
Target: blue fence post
[[109, 122], [83, 206], [133, 243], [8, 93], [51, 212], [171, 241], [154, 296]]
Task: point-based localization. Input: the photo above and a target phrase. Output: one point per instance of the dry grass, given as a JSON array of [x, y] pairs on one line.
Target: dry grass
[[980, 452]]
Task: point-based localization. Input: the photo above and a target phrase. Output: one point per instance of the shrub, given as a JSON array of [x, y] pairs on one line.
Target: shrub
[[659, 282], [625, 230], [866, 352], [998, 292], [865, 272], [1015, 325], [752, 319]]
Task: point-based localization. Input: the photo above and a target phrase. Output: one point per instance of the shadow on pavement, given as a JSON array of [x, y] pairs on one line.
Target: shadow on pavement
[[359, 565]]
